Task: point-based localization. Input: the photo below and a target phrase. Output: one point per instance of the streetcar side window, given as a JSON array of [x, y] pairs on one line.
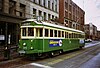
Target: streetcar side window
[[46, 32], [62, 33], [66, 34], [55, 33], [23, 31], [70, 35], [39, 32], [79, 35], [75, 35], [82, 36], [59, 33], [51, 33], [30, 31]]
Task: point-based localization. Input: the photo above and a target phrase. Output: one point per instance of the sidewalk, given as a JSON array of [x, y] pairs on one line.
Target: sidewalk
[[91, 44]]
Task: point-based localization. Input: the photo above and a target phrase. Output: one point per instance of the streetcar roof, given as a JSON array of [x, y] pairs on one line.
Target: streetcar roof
[[53, 25]]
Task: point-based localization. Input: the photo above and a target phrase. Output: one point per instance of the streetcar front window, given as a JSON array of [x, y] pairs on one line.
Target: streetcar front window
[[30, 31], [39, 32], [24, 32]]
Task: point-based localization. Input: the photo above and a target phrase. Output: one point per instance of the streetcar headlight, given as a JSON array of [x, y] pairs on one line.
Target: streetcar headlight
[[31, 40], [24, 44], [31, 47]]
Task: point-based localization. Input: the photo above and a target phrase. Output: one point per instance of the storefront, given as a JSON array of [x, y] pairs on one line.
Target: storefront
[[9, 36]]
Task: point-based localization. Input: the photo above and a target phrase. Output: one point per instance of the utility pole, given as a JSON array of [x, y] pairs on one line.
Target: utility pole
[[83, 4]]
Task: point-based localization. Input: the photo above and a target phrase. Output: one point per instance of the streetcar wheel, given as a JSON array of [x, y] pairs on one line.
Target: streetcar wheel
[[81, 47]]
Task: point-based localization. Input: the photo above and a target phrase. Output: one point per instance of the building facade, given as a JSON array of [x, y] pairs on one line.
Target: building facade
[[71, 15], [12, 12], [91, 31], [48, 9], [98, 35]]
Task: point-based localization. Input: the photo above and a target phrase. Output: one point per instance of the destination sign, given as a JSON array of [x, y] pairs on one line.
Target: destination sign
[[26, 24]]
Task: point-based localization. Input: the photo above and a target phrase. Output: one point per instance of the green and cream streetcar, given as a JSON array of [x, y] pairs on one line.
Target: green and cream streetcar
[[43, 38]]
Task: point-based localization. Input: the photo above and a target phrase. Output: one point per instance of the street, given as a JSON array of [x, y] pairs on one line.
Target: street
[[89, 55]]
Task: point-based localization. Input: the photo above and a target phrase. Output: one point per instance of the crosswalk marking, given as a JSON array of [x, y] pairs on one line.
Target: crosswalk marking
[[40, 65]]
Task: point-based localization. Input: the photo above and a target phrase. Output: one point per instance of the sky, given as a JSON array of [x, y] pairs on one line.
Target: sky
[[92, 11]]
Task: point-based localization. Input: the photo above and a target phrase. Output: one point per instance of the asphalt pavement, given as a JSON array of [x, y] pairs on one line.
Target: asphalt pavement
[[93, 63]]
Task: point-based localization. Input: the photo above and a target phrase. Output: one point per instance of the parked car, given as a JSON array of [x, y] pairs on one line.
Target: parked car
[[88, 40]]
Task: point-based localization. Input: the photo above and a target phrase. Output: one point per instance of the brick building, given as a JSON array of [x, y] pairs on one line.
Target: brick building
[[71, 15], [91, 31], [12, 12]]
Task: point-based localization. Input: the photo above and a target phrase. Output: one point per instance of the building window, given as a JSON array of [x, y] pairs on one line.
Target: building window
[[53, 6], [22, 10], [74, 26], [44, 3], [34, 12], [20, 13], [33, 1], [12, 7], [39, 2], [53, 17], [44, 15], [66, 5], [66, 14], [70, 8], [66, 23], [70, 16], [49, 16], [40, 13], [48, 4], [56, 8], [1, 5]]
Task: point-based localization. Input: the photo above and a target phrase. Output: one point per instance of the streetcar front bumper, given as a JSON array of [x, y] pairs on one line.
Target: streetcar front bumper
[[22, 52], [30, 51]]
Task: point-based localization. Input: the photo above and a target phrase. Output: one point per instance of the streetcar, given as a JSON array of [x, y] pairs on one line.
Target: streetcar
[[41, 38]]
